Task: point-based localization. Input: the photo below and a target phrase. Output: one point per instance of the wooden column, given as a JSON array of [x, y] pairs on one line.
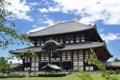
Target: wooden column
[[84, 60], [39, 61], [50, 56], [23, 64], [72, 59], [66, 55], [35, 43], [60, 54], [30, 63], [78, 58], [49, 52]]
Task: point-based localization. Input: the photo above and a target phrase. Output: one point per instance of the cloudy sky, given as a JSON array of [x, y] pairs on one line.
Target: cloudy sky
[[33, 15]]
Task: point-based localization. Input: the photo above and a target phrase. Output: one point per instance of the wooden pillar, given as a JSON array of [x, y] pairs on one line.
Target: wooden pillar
[[49, 56], [23, 60], [72, 59], [66, 55], [30, 63], [35, 42], [39, 61], [78, 58], [84, 60], [60, 54]]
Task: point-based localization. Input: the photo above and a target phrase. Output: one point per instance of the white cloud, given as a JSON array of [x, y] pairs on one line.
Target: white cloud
[[101, 30], [50, 9], [43, 10], [34, 26], [36, 29], [19, 9], [33, 4], [54, 9], [110, 36], [89, 10], [49, 22]]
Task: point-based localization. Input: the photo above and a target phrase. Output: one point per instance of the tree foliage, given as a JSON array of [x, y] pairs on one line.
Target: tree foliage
[[84, 75], [26, 54], [116, 60], [8, 33], [94, 61], [5, 67]]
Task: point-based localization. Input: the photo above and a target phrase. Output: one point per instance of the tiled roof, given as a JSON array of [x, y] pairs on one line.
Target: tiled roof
[[60, 28], [114, 64], [67, 47]]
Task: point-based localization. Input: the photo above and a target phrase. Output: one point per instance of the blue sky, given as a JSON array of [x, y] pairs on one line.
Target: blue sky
[[33, 15]]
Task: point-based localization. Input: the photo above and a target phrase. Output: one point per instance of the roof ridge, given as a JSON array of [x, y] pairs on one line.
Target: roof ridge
[[64, 27], [50, 27], [58, 24]]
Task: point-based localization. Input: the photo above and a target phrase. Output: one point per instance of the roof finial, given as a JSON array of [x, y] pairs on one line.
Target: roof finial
[[58, 21], [75, 19]]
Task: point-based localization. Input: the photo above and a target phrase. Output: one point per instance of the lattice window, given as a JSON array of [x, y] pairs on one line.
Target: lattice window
[[71, 39], [61, 40], [26, 68], [42, 42], [77, 38], [63, 56], [82, 38], [42, 56], [27, 59], [38, 42]]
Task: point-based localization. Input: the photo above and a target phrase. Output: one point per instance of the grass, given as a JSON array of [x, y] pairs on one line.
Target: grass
[[68, 77]]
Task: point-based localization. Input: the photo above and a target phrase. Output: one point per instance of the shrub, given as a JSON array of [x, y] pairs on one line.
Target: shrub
[[117, 71], [83, 75], [51, 75], [111, 72]]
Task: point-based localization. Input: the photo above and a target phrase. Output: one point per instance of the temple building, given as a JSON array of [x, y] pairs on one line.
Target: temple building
[[65, 44]]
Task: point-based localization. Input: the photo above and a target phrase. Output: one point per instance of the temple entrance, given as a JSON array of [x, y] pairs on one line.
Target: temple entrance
[[50, 47]]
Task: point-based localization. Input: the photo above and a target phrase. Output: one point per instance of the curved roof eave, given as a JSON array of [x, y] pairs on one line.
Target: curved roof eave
[[67, 47], [97, 33], [66, 27], [107, 49]]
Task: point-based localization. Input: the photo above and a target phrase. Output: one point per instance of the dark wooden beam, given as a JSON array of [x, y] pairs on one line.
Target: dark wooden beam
[[72, 59], [84, 60], [60, 54]]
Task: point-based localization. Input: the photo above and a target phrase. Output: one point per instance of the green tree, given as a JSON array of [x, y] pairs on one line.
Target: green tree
[[5, 67], [8, 33], [116, 60], [84, 75], [27, 55], [94, 61]]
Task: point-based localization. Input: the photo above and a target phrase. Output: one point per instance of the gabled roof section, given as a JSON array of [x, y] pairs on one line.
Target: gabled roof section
[[60, 28], [52, 44], [51, 67]]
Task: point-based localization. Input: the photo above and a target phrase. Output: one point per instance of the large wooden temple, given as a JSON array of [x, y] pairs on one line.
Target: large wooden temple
[[65, 45]]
